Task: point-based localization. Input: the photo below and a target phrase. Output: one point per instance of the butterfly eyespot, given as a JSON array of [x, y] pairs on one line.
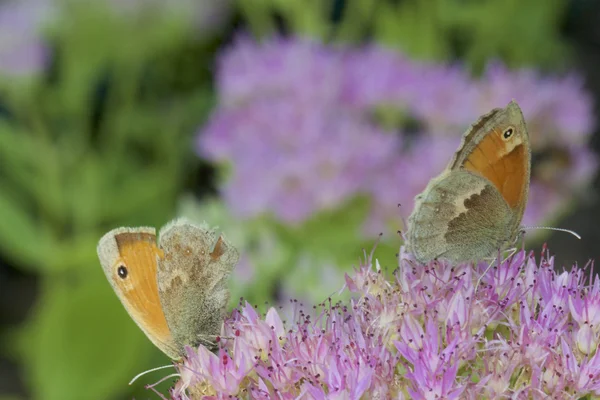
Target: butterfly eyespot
[[508, 132], [122, 272]]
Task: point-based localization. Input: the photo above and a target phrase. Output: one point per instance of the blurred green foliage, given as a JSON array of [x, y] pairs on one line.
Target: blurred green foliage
[[519, 32], [104, 139], [303, 261]]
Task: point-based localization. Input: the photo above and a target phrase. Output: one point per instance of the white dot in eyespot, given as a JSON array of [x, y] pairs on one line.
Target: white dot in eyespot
[[122, 272]]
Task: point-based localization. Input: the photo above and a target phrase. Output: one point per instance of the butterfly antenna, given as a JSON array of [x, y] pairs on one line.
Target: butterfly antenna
[[150, 370], [554, 229]]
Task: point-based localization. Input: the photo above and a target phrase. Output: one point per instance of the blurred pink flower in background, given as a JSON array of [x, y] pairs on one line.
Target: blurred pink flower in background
[[23, 50], [300, 124], [293, 159]]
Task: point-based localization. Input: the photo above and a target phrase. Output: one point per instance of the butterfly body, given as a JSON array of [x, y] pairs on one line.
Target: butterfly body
[[174, 289], [475, 206]]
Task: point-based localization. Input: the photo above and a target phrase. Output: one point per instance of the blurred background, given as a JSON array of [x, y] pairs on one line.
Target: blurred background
[[303, 128]]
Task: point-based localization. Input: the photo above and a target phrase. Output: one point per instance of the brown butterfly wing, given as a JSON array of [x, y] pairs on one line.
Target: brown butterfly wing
[[505, 162], [193, 281], [459, 217], [129, 259]]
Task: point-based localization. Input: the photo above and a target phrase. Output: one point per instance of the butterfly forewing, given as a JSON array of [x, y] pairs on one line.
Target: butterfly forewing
[[504, 161], [129, 259]]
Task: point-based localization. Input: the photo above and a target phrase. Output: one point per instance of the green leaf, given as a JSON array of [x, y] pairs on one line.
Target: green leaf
[[75, 254], [10, 397], [356, 20], [20, 237], [328, 232], [258, 16], [518, 32], [81, 342], [17, 149], [305, 17], [413, 27]]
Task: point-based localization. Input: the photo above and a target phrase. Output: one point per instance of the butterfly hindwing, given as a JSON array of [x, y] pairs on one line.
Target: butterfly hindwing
[[460, 216], [192, 280]]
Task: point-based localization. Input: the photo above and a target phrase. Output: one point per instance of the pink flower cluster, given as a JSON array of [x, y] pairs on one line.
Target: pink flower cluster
[[304, 127], [433, 331]]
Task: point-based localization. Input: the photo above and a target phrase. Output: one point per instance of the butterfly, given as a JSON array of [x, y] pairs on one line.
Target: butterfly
[[174, 289], [475, 206]]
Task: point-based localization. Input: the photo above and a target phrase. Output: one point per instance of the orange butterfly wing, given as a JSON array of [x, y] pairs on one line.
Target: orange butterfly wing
[[138, 253], [504, 163]]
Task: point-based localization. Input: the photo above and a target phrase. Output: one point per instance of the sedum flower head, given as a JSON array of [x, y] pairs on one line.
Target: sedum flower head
[[433, 331]]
